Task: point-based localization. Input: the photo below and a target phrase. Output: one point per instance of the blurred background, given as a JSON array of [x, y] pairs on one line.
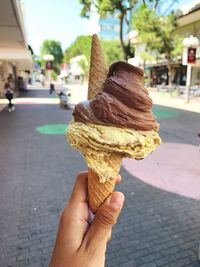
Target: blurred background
[[149, 34], [44, 70]]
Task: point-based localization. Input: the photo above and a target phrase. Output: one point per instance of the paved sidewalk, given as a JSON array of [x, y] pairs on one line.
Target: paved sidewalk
[[37, 172], [79, 92], [175, 102]]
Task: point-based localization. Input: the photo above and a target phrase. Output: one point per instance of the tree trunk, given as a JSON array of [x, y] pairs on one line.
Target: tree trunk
[[124, 47], [144, 63], [169, 67]]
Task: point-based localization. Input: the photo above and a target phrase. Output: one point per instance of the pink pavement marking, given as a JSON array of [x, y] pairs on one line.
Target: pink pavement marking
[[25, 102], [172, 167]]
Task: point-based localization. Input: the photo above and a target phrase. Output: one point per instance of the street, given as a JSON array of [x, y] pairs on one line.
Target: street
[[159, 225]]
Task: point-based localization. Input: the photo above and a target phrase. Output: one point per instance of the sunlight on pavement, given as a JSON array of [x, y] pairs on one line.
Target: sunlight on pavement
[[31, 100], [178, 103]]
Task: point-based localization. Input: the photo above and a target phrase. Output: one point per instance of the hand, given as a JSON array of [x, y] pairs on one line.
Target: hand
[[78, 243]]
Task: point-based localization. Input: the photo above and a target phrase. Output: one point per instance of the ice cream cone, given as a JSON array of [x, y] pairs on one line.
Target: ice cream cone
[[98, 68], [102, 134], [97, 191], [99, 188]]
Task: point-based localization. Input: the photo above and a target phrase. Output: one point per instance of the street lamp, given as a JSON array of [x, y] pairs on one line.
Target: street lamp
[[49, 66], [189, 58], [48, 57]]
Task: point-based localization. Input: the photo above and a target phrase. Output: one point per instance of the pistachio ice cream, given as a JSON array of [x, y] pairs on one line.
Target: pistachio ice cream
[[117, 121]]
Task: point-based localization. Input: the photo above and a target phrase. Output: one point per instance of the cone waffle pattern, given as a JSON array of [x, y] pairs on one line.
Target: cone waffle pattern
[[98, 68], [97, 191]]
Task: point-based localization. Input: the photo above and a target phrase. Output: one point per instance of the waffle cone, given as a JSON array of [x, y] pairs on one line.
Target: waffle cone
[[97, 191], [98, 68]]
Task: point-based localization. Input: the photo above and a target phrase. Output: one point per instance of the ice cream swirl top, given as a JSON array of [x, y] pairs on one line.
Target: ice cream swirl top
[[123, 101]]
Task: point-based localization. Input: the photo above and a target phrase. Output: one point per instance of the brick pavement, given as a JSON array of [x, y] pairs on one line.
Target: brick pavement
[[37, 172]]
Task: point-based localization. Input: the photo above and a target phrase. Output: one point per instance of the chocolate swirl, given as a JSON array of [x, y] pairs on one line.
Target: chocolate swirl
[[123, 102]]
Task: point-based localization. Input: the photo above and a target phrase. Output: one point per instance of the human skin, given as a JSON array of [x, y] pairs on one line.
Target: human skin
[[78, 242]]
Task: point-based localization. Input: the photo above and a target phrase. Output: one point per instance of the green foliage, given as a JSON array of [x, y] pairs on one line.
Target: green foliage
[[111, 6], [54, 74], [112, 50], [52, 47], [171, 44], [158, 33], [81, 46], [147, 56], [85, 8], [83, 63], [106, 6]]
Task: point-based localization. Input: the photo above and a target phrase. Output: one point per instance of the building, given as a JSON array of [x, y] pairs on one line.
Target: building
[[109, 27], [15, 57], [75, 70], [188, 24]]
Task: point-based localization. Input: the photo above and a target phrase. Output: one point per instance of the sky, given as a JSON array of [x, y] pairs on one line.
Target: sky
[[59, 20], [53, 19]]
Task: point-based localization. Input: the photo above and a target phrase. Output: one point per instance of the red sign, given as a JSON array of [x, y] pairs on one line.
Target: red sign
[[49, 65], [191, 55], [64, 66]]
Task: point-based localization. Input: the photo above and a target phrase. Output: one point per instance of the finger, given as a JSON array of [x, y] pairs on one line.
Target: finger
[[109, 236], [73, 223], [79, 192], [77, 206], [106, 217], [91, 215], [119, 178]]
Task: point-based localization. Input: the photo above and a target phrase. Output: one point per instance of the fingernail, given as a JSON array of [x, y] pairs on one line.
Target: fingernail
[[116, 200]]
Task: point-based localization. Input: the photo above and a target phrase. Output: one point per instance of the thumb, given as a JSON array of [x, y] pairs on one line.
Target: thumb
[[105, 218]]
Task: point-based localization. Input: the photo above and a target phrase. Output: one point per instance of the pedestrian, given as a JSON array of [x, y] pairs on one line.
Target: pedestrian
[[153, 77], [52, 88], [9, 95], [21, 84], [11, 82], [82, 241]]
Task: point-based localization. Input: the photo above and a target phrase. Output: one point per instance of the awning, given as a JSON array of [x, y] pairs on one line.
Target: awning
[[21, 56]]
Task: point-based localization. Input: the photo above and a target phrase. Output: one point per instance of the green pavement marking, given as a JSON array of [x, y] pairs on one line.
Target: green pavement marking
[[60, 129], [49, 129], [53, 96], [165, 113]]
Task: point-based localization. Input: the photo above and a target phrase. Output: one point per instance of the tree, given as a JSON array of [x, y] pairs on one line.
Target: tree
[[82, 46], [112, 50], [158, 34], [53, 47], [110, 6]]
